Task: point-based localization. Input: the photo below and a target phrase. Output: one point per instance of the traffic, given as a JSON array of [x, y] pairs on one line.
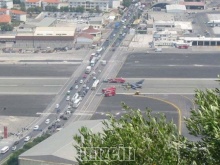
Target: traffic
[[81, 86]]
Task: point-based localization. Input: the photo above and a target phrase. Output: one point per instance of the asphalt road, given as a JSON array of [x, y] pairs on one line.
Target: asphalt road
[[160, 65], [23, 105], [29, 70]]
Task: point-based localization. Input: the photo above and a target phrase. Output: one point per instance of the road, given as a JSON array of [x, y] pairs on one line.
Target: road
[[115, 38]]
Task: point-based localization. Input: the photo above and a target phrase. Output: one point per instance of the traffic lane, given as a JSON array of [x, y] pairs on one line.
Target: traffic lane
[[23, 105], [37, 70]]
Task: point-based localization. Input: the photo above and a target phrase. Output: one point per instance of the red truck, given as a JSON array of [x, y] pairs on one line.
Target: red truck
[[104, 90], [116, 80], [110, 93]]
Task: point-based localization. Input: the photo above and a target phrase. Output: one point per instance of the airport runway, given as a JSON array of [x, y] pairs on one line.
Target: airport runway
[[160, 65]]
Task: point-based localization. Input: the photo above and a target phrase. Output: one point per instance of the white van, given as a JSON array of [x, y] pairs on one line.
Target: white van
[[77, 102], [75, 96], [158, 50], [4, 149]]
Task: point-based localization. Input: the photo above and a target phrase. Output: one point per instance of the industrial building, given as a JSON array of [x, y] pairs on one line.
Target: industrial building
[[59, 148], [175, 8], [46, 37]]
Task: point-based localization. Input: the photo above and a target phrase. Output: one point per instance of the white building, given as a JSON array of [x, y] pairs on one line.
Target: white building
[[32, 3], [179, 26], [165, 38], [174, 8], [14, 14], [8, 4], [114, 4], [55, 3], [90, 4]]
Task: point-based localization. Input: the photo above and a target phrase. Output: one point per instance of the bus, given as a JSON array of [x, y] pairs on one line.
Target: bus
[[95, 84], [77, 102], [4, 149]]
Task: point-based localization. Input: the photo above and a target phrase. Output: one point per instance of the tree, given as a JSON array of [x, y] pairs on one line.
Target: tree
[[22, 6], [64, 9], [80, 9], [6, 27], [126, 3], [16, 1], [204, 123], [151, 140]]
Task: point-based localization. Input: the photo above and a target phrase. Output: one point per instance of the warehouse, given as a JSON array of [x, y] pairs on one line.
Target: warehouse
[[59, 148], [175, 8], [46, 37]]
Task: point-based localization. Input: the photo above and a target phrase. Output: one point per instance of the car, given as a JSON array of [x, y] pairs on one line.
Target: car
[[84, 76], [105, 81], [47, 121], [94, 78], [87, 88], [36, 127], [99, 71], [57, 120], [93, 73], [13, 148], [16, 142], [84, 85], [27, 138], [71, 88], [76, 87], [57, 105], [68, 92], [81, 81], [76, 81], [68, 98], [49, 127]]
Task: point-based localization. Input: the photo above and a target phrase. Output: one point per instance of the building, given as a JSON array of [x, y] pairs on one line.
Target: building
[[179, 26], [84, 40], [165, 38], [194, 5], [114, 4], [175, 8], [32, 3], [90, 4], [14, 14], [214, 20], [47, 37], [4, 18], [8, 4], [94, 32], [55, 3], [200, 41], [59, 148], [96, 22]]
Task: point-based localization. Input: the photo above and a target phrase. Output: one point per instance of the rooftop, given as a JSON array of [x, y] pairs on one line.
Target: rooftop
[[213, 17], [19, 12], [54, 31], [193, 3], [91, 30], [59, 147], [51, 1], [32, 1], [86, 35], [158, 16], [199, 39], [88, 0], [175, 7], [5, 18]]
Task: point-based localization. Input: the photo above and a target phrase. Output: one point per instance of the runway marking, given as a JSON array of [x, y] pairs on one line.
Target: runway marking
[[174, 79], [172, 104], [52, 85], [8, 85], [31, 78], [157, 93]]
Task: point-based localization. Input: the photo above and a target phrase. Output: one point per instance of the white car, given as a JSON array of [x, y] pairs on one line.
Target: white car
[[84, 85], [57, 105], [67, 98], [76, 87], [94, 78], [81, 81], [36, 127], [27, 138], [58, 120], [99, 71], [47, 121], [13, 148]]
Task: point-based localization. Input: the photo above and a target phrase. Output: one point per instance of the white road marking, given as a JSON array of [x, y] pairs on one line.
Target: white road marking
[[132, 93], [174, 79]]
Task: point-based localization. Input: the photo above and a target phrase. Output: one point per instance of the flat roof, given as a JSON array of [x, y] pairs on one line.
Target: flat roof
[[184, 25], [60, 146], [46, 22], [193, 3], [159, 16], [199, 38], [213, 17], [176, 7], [54, 31]]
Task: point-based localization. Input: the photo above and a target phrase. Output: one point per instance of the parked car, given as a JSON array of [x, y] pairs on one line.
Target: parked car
[[36, 127], [27, 138], [13, 148]]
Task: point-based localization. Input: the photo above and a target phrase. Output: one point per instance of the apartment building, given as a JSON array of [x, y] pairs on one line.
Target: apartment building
[[32, 3], [14, 14], [90, 4], [8, 4], [55, 3]]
